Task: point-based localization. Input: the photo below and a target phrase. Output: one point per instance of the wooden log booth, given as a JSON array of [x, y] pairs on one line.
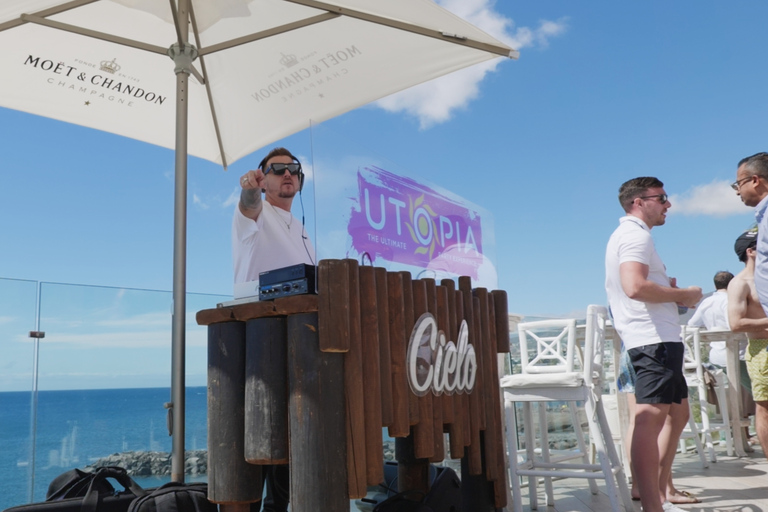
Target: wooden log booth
[[311, 380]]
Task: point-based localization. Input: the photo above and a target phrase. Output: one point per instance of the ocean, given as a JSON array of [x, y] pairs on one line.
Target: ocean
[[77, 427]]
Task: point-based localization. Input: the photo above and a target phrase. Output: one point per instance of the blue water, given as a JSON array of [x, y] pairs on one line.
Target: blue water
[[74, 428]]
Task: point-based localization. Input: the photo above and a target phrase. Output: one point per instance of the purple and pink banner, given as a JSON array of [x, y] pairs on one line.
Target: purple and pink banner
[[399, 220]]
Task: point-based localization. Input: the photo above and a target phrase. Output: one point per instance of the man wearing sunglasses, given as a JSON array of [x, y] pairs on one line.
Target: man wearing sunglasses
[[643, 301], [265, 234], [751, 186]]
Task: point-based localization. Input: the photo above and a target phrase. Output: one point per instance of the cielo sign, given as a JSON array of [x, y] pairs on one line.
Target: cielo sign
[[437, 364]]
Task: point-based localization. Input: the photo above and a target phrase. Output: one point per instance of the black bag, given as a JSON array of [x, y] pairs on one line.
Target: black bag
[[443, 496], [67, 495], [175, 497], [75, 482]]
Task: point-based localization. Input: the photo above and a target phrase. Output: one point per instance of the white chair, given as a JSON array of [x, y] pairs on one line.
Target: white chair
[[694, 376], [549, 374]]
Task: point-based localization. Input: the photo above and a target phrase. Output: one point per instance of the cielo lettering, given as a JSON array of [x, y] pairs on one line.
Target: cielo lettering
[[437, 364]]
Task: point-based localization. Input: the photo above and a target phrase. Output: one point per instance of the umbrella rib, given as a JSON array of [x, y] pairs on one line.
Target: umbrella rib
[[30, 18], [504, 51], [47, 12], [268, 33], [206, 83]]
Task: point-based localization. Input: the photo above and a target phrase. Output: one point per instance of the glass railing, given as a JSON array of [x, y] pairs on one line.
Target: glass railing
[[92, 390]]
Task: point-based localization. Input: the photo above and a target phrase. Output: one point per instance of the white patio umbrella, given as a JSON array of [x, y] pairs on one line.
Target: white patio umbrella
[[262, 70]]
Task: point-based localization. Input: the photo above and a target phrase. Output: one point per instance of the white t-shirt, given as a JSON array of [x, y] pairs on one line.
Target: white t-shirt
[[761, 263], [274, 240], [712, 314], [638, 323]]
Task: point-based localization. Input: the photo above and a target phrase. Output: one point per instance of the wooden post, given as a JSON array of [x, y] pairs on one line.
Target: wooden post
[[412, 473], [456, 427], [476, 415], [501, 312], [423, 437], [231, 480], [438, 442], [410, 319], [317, 435], [333, 308], [490, 387], [266, 391], [465, 403], [382, 302], [353, 383], [397, 344], [369, 323], [500, 485]]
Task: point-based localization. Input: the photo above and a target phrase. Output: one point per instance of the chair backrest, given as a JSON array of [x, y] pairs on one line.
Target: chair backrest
[[692, 340], [547, 346], [594, 344]]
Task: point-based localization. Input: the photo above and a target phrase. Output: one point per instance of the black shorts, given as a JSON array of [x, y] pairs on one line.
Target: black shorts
[[659, 373]]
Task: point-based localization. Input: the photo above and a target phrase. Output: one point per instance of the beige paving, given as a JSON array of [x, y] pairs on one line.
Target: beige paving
[[731, 484]]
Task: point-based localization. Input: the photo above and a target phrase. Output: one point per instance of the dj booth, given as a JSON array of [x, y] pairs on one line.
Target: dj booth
[[310, 380]]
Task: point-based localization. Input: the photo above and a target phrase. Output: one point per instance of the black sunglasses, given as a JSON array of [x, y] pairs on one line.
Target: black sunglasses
[[279, 169], [662, 197]]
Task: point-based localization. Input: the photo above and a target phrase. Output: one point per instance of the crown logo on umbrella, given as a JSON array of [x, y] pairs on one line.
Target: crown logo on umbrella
[[288, 60], [110, 66]]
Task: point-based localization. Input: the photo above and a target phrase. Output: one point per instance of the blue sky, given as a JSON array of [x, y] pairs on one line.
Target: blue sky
[[602, 92]]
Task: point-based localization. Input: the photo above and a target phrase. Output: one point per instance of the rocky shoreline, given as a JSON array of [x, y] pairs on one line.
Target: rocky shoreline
[[159, 463]]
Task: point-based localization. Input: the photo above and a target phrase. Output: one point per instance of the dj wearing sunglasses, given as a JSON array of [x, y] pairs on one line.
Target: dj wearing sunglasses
[[265, 234]]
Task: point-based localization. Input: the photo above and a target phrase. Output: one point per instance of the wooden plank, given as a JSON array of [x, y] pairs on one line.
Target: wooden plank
[[266, 391], [410, 319], [397, 344], [318, 451], [438, 440], [296, 304], [423, 431], [382, 300], [456, 427], [243, 312], [369, 323], [231, 480], [465, 405], [251, 310], [476, 416], [353, 383], [500, 484], [333, 305], [501, 323], [489, 387], [214, 316], [443, 322]]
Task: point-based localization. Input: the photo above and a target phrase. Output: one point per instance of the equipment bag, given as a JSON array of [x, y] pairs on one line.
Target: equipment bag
[[175, 497], [443, 496], [66, 493]]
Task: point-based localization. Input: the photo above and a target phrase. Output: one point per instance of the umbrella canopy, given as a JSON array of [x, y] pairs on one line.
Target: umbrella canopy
[[260, 71]]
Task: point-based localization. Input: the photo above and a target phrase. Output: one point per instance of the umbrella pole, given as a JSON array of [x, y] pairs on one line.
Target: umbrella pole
[[182, 54]]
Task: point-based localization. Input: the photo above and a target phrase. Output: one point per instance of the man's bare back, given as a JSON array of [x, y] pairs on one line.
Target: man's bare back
[[745, 314]]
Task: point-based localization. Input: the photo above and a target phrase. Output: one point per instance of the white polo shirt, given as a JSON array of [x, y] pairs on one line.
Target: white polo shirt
[[638, 323]]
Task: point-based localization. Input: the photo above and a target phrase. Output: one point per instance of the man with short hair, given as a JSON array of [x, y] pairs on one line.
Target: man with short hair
[[745, 314], [643, 301], [751, 186], [712, 314], [266, 236]]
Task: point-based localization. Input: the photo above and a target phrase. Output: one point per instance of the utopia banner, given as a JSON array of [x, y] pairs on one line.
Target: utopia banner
[[399, 220]]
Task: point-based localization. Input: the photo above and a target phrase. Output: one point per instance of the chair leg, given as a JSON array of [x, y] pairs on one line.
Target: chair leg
[[697, 439], [576, 422], [617, 474], [706, 424], [529, 450], [720, 390], [512, 447], [544, 436]]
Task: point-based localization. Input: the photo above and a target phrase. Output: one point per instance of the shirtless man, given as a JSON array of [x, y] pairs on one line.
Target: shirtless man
[[745, 314]]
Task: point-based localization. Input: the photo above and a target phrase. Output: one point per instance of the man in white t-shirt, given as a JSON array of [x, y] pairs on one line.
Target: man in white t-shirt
[[643, 302], [712, 314], [266, 236]]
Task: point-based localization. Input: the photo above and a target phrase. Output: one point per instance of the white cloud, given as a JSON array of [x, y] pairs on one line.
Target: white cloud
[[435, 101], [199, 202], [716, 199], [6, 319]]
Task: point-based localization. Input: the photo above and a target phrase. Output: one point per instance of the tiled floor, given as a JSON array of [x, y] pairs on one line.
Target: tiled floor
[[730, 485]]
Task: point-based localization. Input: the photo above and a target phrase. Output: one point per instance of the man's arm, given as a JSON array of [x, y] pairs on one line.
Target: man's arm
[[635, 283], [250, 196], [738, 309]]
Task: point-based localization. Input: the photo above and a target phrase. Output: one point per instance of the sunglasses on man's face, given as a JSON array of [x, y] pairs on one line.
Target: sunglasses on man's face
[[279, 169]]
